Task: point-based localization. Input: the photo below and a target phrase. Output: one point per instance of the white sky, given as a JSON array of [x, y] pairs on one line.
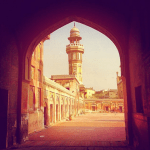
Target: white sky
[[100, 59]]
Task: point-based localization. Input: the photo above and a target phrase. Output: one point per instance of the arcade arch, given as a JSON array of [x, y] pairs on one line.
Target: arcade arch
[[45, 114]]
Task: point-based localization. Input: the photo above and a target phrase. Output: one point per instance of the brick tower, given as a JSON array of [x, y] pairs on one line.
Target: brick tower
[[75, 51]]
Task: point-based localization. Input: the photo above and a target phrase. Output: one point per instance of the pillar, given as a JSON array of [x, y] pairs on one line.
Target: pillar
[[68, 107], [54, 108]]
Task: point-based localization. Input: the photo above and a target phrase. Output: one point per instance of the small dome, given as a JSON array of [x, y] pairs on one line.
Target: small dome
[[74, 32], [74, 29]]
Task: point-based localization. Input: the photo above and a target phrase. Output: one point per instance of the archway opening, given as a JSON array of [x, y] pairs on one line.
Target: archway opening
[[68, 105]]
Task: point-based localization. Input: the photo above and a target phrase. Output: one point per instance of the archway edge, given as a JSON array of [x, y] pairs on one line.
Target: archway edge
[[69, 19]]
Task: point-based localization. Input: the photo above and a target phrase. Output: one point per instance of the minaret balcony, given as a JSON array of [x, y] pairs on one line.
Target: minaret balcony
[[75, 44], [75, 47]]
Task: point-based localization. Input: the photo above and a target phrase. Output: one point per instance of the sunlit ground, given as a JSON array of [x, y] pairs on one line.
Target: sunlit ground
[[99, 130], [97, 120], [88, 127]]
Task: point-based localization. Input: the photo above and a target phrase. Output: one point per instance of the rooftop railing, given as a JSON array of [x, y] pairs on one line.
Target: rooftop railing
[[47, 81]]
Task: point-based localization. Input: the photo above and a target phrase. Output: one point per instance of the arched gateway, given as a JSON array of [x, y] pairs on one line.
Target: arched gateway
[[25, 24]]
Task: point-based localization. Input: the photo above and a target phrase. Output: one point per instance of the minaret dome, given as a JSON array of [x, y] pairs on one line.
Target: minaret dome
[[74, 34]]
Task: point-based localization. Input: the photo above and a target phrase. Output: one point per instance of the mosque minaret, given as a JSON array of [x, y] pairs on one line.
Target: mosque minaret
[[75, 51]]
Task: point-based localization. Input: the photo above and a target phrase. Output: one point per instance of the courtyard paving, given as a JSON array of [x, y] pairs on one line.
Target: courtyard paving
[[92, 131]]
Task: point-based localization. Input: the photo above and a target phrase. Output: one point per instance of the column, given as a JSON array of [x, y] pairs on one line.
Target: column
[[59, 107], [71, 106], [64, 103], [68, 107], [48, 111], [63, 107], [54, 106]]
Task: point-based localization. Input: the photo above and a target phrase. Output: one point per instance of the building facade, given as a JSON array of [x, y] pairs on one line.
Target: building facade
[[89, 93], [35, 106], [105, 100], [104, 105], [59, 102], [113, 93], [55, 99]]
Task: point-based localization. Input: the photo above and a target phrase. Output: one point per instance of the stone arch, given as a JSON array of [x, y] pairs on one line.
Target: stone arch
[[60, 23], [127, 26], [45, 114]]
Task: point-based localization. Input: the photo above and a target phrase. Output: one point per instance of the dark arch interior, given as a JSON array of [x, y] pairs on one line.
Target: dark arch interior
[[126, 23]]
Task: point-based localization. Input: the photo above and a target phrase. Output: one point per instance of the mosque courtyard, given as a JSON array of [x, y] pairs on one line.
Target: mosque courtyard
[[87, 131]]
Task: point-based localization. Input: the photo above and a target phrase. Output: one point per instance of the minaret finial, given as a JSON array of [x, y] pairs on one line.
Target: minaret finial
[[74, 23]]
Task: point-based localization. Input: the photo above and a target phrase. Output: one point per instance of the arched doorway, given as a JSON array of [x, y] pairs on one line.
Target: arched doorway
[[51, 108], [45, 114], [100, 29], [61, 23]]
